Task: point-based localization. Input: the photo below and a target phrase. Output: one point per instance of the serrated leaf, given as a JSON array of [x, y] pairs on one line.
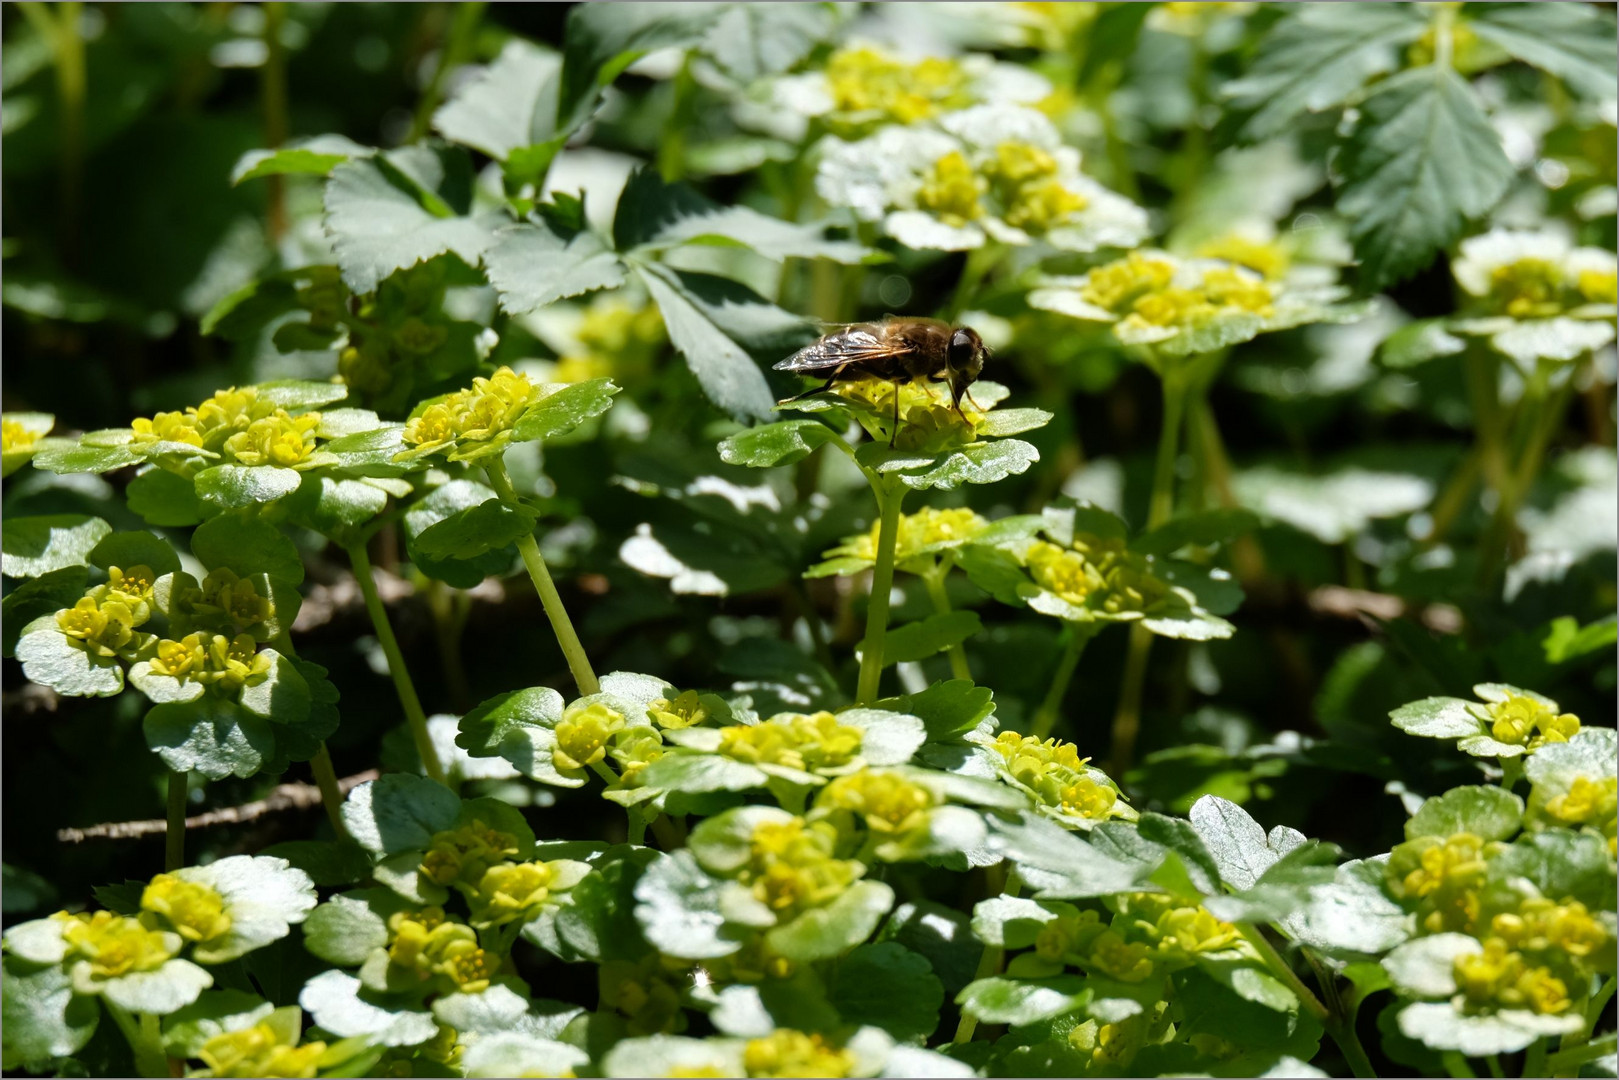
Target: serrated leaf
[[164, 499], [601, 42], [237, 486], [43, 1018], [781, 443], [718, 325], [211, 735], [314, 156], [1234, 839], [382, 218], [398, 812], [1317, 57], [509, 111], [248, 546], [1575, 42], [749, 42], [466, 534], [1488, 812], [891, 987], [33, 546], [976, 463], [655, 215], [51, 658], [929, 636], [1422, 160], [947, 709], [561, 411], [531, 265], [1002, 1000]]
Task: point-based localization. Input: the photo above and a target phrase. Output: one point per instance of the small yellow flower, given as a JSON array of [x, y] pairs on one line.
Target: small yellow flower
[[234, 598], [1524, 721], [1125, 961], [464, 854], [1265, 258], [466, 965], [15, 436], [196, 911], [952, 189], [1598, 286], [792, 867], [508, 891], [583, 734], [235, 662], [1042, 205], [1188, 930], [1088, 799], [279, 439], [686, 710], [479, 414], [175, 427], [888, 803], [258, 1051], [786, 1053], [104, 629], [1063, 572], [131, 587], [435, 427], [1586, 802], [228, 410], [409, 933], [116, 945], [864, 81], [1116, 285]]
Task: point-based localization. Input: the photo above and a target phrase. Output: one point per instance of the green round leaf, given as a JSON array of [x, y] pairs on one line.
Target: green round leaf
[[399, 812], [248, 546], [32, 546]]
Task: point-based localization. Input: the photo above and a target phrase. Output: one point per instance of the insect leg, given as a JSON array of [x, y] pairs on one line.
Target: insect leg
[[894, 434], [810, 392]]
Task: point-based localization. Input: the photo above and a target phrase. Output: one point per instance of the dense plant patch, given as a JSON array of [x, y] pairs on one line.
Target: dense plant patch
[[1218, 682]]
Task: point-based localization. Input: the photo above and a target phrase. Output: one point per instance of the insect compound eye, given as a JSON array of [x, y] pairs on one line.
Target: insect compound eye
[[963, 347]]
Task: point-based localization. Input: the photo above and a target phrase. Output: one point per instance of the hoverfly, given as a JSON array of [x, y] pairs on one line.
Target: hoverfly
[[897, 349]]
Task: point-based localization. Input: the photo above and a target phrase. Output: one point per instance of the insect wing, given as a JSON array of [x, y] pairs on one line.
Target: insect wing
[[835, 351]]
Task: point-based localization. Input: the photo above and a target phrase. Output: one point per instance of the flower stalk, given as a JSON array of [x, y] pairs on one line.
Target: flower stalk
[[174, 839], [578, 663], [957, 653], [403, 686], [889, 496], [1046, 717]]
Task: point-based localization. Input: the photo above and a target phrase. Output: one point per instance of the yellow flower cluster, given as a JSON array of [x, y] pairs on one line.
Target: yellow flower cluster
[[1057, 776], [1266, 258], [951, 190], [1587, 802], [508, 892], [785, 1053], [1534, 287], [104, 628], [228, 598], [195, 911], [1525, 721], [115, 945], [888, 803], [875, 85], [228, 663], [259, 1051], [206, 426], [645, 992], [1028, 187], [806, 743], [1097, 574], [582, 736], [131, 587], [279, 439], [429, 944], [15, 436], [1140, 290], [686, 710], [928, 422], [462, 856], [477, 415], [792, 866], [616, 339], [918, 534], [1501, 978], [1443, 877]]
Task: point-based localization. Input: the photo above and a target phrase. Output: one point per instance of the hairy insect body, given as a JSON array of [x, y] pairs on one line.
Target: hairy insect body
[[896, 349]]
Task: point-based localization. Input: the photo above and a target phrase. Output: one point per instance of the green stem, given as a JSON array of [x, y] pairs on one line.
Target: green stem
[[672, 146], [331, 796], [1494, 1064], [1534, 1059], [1127, 717], [578, 663], [637, 830], [1456, 1065], [889, 497], [61, 32], [989, 963], [457, 49], [414, 717], [670, 835], [174, 846], [1542, 413], [934, 580], [1046, 717], [273, 87], [1162, 506], [1567, 1062], [1284, 971], [145, 1037]]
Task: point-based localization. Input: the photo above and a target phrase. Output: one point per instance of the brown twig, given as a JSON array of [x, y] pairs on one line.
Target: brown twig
[[296, 796], [1353, 603]]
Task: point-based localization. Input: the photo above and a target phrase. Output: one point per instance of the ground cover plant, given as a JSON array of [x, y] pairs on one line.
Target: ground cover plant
[[431, 650]]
